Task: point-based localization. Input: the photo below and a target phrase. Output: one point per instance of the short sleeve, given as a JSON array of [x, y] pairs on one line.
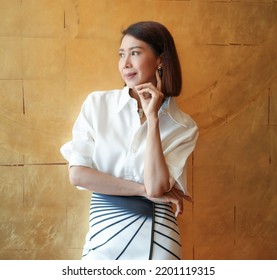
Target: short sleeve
[[179, 152], [79, 151]]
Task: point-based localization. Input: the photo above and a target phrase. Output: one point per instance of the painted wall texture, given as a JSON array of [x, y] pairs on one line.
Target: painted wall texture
[[54, 52]]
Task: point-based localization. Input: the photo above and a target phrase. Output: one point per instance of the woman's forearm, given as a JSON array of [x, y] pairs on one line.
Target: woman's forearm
[[156, 174], [96, 181]]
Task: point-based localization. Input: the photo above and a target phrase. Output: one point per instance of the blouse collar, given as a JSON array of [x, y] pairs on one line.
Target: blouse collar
[[169, 106], [124, 99]]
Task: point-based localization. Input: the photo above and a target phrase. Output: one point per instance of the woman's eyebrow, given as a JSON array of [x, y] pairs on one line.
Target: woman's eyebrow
[[135, 47]]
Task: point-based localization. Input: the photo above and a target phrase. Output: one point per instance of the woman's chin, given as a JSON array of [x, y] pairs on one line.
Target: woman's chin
[[130, 85]]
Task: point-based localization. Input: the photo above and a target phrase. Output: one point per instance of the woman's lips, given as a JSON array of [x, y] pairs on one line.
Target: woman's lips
[[129, 76]]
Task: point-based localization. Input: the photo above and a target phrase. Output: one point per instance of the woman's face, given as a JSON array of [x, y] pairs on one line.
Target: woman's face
[[137, 62]]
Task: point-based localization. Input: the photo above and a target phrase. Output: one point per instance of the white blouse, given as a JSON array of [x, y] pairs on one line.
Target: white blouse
[[109, 137]]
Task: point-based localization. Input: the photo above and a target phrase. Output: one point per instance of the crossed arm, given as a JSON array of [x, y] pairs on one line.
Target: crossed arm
[[156, 185]]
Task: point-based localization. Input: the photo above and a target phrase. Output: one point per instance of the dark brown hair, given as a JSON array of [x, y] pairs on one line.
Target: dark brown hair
[[161, 41]]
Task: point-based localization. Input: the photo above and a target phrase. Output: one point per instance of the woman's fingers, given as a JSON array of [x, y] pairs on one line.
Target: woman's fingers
[[159, 81], [151, 98], [175, 197], [178, 201], [148, 90]]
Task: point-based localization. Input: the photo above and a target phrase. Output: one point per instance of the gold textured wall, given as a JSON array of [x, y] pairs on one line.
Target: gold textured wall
[[54, 52]]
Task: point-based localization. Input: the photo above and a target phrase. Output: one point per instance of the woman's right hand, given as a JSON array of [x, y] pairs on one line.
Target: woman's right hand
[[174, 196]]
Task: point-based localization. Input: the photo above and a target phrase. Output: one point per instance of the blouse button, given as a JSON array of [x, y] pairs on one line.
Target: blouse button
[[133, 150]]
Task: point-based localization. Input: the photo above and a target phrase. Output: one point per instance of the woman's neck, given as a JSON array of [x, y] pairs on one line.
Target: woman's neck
[[134, 95]]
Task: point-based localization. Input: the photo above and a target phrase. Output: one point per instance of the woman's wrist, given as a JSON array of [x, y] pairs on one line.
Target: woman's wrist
[[153, 120]]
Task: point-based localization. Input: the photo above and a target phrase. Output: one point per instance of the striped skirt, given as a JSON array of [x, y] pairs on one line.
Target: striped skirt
[[131, 228]]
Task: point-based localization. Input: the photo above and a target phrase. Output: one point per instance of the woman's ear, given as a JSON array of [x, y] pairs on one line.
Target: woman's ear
[[160, 61]]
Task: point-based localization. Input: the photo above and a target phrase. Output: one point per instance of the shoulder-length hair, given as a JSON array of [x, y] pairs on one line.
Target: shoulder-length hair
[[161, 41]]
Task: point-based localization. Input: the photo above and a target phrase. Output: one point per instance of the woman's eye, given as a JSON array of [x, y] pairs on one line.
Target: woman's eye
[[121, 55], [135, 53]]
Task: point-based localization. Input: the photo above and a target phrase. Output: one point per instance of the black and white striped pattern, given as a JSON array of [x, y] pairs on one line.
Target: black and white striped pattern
[[131, 228], [167, 240]]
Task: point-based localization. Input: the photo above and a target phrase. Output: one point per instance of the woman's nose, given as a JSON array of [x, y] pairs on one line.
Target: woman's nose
[[127, 62]]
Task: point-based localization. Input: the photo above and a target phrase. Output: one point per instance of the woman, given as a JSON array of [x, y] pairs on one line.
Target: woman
[[130, 148]]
